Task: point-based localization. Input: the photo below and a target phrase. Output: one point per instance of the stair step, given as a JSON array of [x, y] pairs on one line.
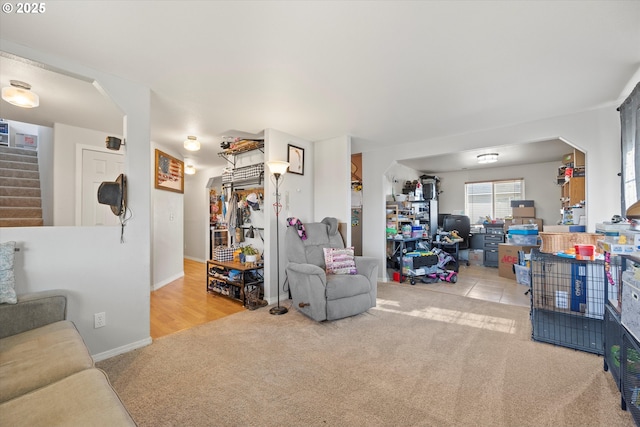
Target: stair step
[[18, 151], [20, 202], [31, 160], [23, 213], [19, 192], [21, 222], [18, 164], [21, 182], [19, 173]]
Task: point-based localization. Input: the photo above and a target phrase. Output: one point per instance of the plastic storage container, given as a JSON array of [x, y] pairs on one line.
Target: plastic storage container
[[585, 252], [522, 239], [523, 274], [630, 313]]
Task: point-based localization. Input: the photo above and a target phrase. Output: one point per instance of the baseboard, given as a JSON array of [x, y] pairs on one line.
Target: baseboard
[[165, 282], [120, 350], [196, 259]]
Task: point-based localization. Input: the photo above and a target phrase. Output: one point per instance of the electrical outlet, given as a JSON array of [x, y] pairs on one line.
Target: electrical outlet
[[99, 320]]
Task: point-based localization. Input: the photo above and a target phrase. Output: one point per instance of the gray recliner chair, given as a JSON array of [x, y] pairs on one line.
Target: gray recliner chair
[[324, 296]]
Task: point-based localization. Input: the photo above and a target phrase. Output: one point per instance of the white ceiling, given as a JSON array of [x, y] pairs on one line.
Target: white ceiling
[[384, 72]]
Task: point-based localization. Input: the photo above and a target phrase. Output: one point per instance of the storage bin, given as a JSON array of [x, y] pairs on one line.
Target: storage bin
[[630, 313], [559, 242], [223, 253], [523, 274], [522, 239], [585, 252]]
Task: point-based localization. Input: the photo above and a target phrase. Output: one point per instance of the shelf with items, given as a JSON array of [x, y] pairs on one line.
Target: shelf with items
[[398, 214], [235, 280], [571, 178], [4, 132]]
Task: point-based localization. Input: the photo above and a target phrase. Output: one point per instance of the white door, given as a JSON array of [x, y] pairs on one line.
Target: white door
[[98, 166]]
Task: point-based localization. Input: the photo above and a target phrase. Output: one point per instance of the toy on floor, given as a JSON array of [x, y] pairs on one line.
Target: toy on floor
[[440, 271]]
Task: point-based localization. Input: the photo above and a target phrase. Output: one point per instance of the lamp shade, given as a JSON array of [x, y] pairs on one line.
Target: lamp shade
[[190, 170], [192, 143], [20, 95], [278, 167], [488, 158]]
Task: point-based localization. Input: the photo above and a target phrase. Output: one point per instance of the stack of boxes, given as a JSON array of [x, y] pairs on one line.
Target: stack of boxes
[[522, 237], [523, 212]]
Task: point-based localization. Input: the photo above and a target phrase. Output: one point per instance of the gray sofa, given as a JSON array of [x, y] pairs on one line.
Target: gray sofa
[[47, 376], [323, 296]]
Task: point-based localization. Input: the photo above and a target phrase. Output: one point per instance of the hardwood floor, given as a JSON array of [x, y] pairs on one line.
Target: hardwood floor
[[185, 303]]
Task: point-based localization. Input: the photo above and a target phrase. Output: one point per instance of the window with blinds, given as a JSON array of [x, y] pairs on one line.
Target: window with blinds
[[492, 198]]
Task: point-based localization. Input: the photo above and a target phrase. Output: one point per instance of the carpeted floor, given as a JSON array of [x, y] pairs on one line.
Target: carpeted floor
[[420, 358]]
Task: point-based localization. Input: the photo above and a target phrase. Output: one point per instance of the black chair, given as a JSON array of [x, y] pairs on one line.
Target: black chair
[[462, 225]]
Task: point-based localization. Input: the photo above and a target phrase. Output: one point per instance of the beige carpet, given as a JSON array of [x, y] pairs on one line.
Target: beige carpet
[[421, 358]]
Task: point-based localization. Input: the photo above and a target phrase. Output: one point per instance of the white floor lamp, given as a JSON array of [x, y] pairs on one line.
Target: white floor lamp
[[278, 168]]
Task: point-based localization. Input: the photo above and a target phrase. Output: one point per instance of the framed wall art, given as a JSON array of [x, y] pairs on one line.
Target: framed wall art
[[295, 157], [169, 173]]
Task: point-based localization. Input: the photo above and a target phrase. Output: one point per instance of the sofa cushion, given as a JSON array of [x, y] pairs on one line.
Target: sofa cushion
[[340, 261], [7, 277], [41, 356], [82, 399], [344, 286]]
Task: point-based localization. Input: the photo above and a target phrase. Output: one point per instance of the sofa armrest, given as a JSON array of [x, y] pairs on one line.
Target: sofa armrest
[[367, 266], [32, 311], [308, 269]]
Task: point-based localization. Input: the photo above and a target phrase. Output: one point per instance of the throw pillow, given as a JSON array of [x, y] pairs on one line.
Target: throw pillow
[[340, 261], [7, 278]]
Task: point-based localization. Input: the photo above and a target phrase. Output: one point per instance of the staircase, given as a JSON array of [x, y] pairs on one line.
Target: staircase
[[20, 198]]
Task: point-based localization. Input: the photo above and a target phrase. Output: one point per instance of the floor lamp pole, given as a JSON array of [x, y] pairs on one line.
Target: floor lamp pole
[[278, 309]]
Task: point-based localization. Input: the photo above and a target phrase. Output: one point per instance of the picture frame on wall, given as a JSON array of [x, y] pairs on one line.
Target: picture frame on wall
[[169, 173], [295, 157]]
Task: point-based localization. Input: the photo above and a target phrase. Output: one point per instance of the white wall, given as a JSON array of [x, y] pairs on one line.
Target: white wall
[[539, 182], [297, 200], [596, 132], [395, 177], [99, 273], [168, 230], [332, 184], [196, 214]]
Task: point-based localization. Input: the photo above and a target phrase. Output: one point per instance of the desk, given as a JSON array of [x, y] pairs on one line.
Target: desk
[[454, 244], [220, 281]]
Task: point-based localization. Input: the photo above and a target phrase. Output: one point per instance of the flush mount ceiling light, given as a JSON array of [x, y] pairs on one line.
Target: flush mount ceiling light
[[190, 169], [20, 95], [487, 158], [192, 143]]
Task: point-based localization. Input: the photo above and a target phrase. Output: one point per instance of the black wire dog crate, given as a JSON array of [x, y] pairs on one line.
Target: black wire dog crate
[[568, 302], [613, 329]]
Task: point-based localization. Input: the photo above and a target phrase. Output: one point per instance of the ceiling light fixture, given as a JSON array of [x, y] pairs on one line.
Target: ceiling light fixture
[[190, 169], [20, 94], [192, 143], [487, 158]]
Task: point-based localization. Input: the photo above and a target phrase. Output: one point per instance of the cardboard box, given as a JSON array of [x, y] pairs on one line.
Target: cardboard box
[[476, 256], [508, 256], [528, 212], [522, 203]]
